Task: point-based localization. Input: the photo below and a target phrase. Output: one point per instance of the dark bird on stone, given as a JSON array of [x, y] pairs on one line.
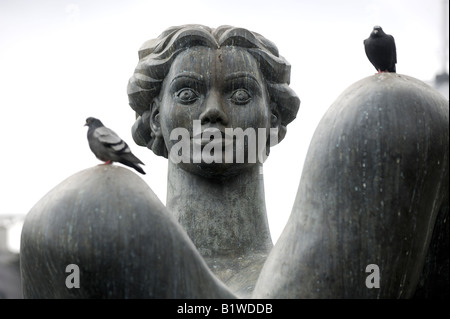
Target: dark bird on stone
[[108, 147], [381, 51]]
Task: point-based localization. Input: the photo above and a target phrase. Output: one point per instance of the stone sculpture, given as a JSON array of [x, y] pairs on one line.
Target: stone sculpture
[[231, 78], [214, 101]]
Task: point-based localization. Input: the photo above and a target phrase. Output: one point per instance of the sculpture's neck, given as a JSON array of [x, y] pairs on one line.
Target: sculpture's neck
[[221, 216]]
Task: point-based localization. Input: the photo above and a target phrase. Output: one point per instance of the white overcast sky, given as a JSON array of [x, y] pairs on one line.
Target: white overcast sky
[[62, 61]]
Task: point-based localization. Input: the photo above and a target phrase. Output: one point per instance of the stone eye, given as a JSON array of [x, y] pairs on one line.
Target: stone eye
[[240, 97], [187, 95]]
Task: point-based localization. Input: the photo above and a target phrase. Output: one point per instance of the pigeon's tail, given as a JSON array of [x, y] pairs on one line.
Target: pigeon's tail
[[132, 161], [138, 168], [392, 69], [133, 165]]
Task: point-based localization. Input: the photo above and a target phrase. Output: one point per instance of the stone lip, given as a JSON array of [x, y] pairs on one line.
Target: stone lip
[[108, 222]]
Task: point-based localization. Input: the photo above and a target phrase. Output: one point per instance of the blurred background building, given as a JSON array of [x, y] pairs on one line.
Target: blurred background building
[[10, 287]]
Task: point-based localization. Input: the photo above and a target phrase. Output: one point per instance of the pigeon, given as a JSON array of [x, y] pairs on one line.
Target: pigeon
[[381, 51], [108, 147]]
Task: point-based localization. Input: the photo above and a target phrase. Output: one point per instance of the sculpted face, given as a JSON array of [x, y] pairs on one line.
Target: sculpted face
[[213, 91]]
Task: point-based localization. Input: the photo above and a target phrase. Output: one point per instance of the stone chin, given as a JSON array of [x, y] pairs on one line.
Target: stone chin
[[216, 170]]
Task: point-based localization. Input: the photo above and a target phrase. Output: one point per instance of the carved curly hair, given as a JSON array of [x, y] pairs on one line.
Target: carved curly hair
[[156, 57]]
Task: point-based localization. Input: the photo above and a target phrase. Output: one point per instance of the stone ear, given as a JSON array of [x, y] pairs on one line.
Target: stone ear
[[284, 105], [155, 124], [275, 123], [275, 119]]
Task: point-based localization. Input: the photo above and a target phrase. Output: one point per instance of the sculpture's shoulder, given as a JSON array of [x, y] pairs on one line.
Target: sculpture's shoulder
[[103, 187], [107, 223], [374, 190]]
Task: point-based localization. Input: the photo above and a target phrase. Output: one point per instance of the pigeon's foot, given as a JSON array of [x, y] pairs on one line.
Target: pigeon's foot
[[107, 163]]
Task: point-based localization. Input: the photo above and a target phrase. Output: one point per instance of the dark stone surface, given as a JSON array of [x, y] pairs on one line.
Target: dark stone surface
[[434, 281], [126, 244], [373, 183]]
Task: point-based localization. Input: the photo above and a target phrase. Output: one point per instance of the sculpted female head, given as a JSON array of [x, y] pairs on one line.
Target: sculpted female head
[[222, 78]]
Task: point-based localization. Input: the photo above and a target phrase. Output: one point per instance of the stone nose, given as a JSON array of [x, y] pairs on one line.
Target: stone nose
[[214, 112]]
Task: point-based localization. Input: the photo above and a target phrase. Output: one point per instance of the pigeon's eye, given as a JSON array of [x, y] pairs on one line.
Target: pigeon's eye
[[186, 96], [240, 97]]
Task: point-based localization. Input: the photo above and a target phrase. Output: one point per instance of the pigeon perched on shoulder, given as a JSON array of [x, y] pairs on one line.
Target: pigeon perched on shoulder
[[108, 147], [381, 51]]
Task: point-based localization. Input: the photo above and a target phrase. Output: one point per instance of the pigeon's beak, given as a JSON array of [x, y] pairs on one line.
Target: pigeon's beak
[[85, 124], [375, 31]]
